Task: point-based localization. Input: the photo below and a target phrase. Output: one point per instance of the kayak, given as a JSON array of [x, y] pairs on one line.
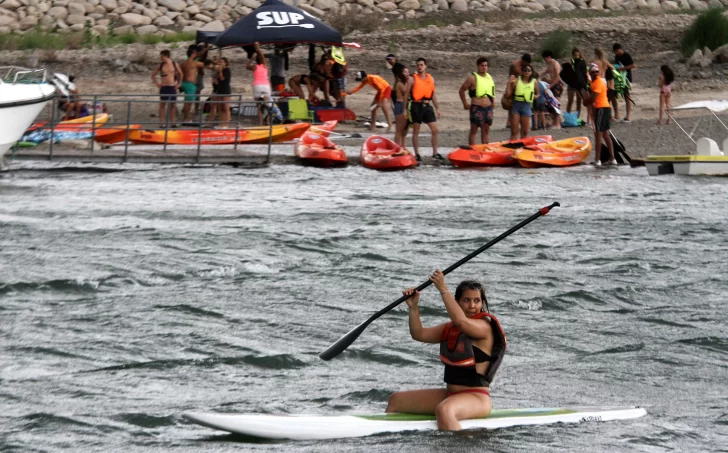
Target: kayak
[[324, 129], [497, 153], [380, 153], [317, 427], [561, 153], [280, 133], [84, 123], [113, 134], [316, 150]]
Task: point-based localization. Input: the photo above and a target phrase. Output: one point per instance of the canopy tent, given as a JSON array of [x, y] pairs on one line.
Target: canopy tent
[[275, 22], [715, 105], [208, 37]]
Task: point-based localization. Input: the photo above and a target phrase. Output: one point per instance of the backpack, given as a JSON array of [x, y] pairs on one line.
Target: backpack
[[571, 119]]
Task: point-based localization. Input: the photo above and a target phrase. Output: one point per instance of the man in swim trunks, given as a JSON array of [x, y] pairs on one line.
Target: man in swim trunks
[[171, 77], [190, 68], [381, 99], [482, 92], [602, 114]]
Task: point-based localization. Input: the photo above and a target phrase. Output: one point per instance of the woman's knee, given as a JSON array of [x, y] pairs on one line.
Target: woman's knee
[[444, 411], [394, 402]]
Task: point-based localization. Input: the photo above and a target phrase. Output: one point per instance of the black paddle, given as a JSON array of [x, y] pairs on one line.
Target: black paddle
[[345, 341]]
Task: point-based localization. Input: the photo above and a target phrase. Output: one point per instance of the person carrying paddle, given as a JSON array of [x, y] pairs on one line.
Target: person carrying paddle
[[381, 99], [472, 345], [482, 92]]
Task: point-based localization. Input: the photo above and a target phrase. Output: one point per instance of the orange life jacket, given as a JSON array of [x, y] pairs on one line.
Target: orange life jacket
[[423, 89]]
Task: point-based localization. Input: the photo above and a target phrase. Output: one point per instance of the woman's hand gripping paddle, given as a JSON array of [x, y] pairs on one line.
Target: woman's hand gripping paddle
[[345, 341]]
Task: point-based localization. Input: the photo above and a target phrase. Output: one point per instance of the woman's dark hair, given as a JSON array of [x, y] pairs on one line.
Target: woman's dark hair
[[667, 72], [472, 284], [259, 58], [575, 50], [399, 75]]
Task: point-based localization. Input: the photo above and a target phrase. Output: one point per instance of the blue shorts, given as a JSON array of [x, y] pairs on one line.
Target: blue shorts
[[522, 108], [398, 108]]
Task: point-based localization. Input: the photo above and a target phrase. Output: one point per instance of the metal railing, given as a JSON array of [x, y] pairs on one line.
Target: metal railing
[[201, 124]]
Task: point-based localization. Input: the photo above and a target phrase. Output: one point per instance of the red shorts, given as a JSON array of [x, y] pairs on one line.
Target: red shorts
[[386, 94], [482, 391]]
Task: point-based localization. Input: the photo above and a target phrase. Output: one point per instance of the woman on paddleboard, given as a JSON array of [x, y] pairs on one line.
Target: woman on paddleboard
[[472, 345]]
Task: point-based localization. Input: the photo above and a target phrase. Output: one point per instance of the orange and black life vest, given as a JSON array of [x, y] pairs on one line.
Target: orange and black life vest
[[456, 352]]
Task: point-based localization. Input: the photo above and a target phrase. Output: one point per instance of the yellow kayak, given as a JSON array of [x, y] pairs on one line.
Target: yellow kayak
[[561, 153]]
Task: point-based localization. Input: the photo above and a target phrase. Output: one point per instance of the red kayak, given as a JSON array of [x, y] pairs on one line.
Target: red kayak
[[316, 150], [496, 153], [381, 153]]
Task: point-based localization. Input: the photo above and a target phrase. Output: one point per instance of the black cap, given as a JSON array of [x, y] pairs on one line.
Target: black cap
[[361, 75]]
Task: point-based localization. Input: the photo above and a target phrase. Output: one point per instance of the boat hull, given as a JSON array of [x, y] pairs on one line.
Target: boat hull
[[20, 104], [692, 165], [493, 154], [379, 153]]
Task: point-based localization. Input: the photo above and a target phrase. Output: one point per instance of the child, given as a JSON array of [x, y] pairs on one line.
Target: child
[[666, 78]]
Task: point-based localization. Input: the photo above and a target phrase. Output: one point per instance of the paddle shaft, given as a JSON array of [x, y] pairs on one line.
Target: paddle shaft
[[345, 341]]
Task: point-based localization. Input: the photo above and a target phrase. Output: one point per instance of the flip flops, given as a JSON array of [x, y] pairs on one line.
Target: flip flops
[[438, 156]]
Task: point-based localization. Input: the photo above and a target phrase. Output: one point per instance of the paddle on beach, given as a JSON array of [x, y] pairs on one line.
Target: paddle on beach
[[345, 341]]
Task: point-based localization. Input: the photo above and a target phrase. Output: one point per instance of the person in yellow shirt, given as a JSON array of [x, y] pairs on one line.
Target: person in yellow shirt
[[602, 113], [381, 99]]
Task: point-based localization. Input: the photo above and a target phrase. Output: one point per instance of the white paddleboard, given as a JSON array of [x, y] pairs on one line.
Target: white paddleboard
[[314, 427]]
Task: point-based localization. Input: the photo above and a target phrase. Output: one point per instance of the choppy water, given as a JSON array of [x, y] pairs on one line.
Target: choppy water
[[127, 298]]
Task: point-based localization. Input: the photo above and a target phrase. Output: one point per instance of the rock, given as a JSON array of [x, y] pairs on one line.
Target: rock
[[533, 6], [387, 6], [192, 10], [135, 20], [173, 5], [28, 22], [611, 5], [443, 5], [203, 18], [596, 4], [720, 55], [567, 6], [325, 5], [408, 5], [146, 30], [459, 5], [58, 12], [12, 5], [312, 10], [99, 30], [163, 21], [215, 25], [252, 4], [77, 27], [697, 4], [124, 30], [109, 5], [75, 19], [365, 2]]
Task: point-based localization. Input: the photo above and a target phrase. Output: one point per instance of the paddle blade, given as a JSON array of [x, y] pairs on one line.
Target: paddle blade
[[569, 76], [344, 342]]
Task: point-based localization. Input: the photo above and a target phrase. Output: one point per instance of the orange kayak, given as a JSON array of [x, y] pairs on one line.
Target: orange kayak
[[316, 150], [280, 133], [561, 153], [496, 153], [113, 134], [324, 129], [381, 153]]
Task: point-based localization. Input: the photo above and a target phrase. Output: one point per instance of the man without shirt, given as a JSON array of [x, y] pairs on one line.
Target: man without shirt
[[553, 77], [190, 68], [170, 81]]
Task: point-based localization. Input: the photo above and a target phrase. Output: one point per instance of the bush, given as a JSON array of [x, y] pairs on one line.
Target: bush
[[558, 42], [708, 29], [128, 38], [151, 39], [363, 22]]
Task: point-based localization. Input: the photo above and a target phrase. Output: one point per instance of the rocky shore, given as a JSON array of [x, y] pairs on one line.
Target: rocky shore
[[163, 17]]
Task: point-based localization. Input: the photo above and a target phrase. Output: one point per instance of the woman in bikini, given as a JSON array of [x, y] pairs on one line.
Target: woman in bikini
[[401, 119], [471, 347]]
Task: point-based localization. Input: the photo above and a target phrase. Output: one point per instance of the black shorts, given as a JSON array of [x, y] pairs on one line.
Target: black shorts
[[602, 118], [422, 113], [277, 80], [168, 93], [480, 116]]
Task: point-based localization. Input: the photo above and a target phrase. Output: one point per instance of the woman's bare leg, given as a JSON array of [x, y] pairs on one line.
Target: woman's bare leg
[[416, 401]]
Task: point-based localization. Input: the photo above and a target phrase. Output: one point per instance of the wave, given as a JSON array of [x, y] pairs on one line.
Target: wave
[[374, 395], [274, 362], [184, 308], [377, 357], [716, 344], [62, 285], [621, 349], [146, 420]]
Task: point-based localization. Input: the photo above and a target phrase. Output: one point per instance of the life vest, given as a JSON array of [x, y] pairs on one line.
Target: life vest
[[456, 348], [337, 53], [484, 86], [525, 91], [423, 89], [620, 80]]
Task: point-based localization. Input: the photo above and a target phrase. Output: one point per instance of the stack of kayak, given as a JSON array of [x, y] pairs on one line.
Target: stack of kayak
[[380, 153], [314, 148], [75, 129], [497, 153], [537, 151]]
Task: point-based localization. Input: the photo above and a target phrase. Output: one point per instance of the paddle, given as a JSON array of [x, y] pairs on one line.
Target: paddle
[[345, 341], [569, 77]]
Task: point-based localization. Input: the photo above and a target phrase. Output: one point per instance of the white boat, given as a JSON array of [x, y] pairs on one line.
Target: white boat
[[318, 427], [708, 158], [23, 94]]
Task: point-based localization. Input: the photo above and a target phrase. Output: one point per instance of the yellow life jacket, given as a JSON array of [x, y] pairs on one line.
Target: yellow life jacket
[[484, 86], [337, 53], [525, 91]]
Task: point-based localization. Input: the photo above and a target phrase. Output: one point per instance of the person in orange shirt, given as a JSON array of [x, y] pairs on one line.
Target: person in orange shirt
[[381, 99], [599, 101]]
